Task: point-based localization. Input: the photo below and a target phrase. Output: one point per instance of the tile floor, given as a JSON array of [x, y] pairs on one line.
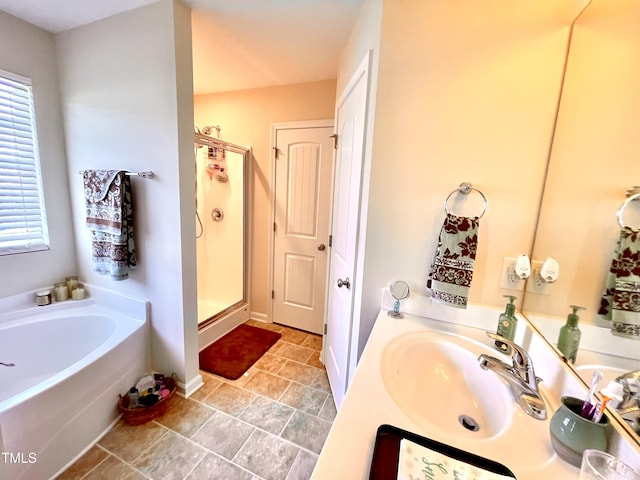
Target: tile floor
[[269, 424]]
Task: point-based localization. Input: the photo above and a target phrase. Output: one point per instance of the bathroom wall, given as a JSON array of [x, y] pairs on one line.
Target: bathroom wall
[[245, 117], [30, 51], [466, 91], [127, 98]]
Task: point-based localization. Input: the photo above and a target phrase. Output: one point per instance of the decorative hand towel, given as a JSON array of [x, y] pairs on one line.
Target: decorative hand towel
[[452, 267], [109, 216], [620, 302]]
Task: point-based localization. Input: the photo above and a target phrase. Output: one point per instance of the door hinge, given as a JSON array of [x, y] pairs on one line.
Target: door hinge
[[330, 240], [275, 152], [325, 328], [274, 226], [273, 294], [335, 140]]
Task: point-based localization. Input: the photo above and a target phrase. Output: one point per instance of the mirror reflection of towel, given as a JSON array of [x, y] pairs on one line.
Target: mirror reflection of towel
[[109, 216], [452, 268], [620, 302]]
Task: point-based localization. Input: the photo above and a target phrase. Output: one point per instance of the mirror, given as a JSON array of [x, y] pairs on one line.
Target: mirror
[[593, 162], [399, 291]]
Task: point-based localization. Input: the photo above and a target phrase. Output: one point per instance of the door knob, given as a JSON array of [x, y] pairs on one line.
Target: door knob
[[345, 283], [321, 247]]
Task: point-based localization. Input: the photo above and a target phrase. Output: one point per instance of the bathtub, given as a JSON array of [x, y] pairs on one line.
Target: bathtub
[[71, 359]]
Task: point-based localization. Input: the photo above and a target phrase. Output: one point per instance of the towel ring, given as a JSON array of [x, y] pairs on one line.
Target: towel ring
[[622, 207], [465, 188]]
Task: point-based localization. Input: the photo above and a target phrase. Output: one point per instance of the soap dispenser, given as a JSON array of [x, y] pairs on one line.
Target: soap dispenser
[[569, 339], [507, 323]]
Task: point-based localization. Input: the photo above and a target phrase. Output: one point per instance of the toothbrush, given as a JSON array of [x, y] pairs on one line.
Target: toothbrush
[[588, 405]]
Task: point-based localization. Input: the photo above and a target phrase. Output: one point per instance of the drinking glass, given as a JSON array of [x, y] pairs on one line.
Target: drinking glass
[[598, 465]]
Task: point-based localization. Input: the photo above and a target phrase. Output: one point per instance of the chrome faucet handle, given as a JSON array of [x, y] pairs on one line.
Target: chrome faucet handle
[[519, 356], [521, 360], [633, 375], [630, 382]]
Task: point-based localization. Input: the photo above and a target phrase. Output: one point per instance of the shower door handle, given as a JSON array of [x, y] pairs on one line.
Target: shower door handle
[[321, 247], [344, 283]]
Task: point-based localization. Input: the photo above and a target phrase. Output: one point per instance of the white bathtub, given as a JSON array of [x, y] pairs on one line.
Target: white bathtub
[[72, 359]]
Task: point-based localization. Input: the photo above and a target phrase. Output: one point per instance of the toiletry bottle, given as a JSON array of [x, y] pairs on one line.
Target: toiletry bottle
[[507, 325], [569, 339], [134, 397]]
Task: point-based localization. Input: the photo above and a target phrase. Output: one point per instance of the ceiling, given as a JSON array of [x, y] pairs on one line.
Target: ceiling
[[237, 44]]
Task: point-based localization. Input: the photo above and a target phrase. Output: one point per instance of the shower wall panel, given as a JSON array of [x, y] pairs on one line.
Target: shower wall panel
[[220, 252]]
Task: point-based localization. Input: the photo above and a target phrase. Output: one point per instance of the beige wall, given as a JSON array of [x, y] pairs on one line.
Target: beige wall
[[30, 51], [128, 103], [466, 92], [245, 118]]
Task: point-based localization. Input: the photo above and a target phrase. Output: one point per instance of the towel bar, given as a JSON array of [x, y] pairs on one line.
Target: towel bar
[[465, 188], [146, 174], [629, 199]]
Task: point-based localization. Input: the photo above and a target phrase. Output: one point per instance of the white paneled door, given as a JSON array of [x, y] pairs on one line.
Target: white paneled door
[[303, 171], [351, 122]]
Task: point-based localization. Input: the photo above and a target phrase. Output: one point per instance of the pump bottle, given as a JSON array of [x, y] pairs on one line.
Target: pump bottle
[[569, 339], [507, 323]]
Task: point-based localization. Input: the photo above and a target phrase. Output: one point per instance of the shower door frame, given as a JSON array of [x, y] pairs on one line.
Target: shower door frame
[[214, 327]]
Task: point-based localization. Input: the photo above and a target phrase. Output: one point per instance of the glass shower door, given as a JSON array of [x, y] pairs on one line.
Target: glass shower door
[[221, 231]]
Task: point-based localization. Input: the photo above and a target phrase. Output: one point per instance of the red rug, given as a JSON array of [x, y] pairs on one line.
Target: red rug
[[232, 355]]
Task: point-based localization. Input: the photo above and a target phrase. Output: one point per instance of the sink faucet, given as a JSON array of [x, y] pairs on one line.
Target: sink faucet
[[520, 376], [629, 407]]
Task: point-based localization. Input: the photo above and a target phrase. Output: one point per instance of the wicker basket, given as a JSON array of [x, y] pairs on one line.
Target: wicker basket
[[140, 415]]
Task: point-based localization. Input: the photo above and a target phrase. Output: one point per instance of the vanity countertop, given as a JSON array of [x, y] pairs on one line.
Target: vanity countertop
[[348, 450]]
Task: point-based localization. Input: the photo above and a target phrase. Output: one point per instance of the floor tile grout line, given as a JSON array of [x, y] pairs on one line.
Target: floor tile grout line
[[255, 428], [294, 409], [210, 452], [286, 440], [131, 463], [169, 430], [278, 399], [319, 372], [97, 464]]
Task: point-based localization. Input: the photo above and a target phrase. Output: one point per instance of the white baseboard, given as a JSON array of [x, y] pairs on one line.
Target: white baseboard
[[260, 317], [191, 386]]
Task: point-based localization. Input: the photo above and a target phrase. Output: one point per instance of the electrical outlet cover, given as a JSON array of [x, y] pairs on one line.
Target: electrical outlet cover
[[508, 278]]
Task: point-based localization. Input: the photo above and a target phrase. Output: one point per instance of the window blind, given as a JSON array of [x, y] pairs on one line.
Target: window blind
[[23, 226]]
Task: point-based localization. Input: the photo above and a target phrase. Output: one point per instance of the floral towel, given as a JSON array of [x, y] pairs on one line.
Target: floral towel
[[621, 300], [109, 216], [452, 268]]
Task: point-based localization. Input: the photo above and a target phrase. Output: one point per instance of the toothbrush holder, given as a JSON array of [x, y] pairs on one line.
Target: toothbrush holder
[[572, 434]]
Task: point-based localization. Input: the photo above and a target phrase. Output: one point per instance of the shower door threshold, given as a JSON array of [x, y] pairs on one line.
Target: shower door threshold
[[221, 323]]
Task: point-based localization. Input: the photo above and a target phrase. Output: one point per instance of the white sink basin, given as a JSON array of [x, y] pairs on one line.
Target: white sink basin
[[435, 379]]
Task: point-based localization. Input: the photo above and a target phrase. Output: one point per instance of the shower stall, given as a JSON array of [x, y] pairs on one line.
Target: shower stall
[[222, 232]]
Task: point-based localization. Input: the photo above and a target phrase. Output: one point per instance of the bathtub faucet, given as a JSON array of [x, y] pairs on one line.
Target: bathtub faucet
[[8, 364]]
